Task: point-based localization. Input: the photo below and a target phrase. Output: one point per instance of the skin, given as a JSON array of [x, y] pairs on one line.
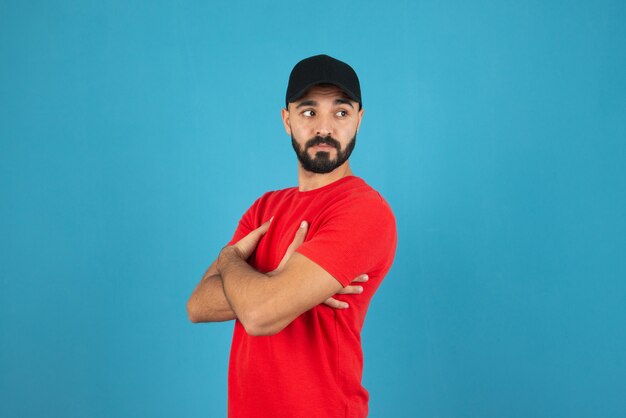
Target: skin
[[319, 113], [265, 303]]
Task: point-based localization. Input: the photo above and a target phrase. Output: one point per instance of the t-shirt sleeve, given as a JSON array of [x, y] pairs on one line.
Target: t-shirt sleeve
[[246, 223], [355, 239]]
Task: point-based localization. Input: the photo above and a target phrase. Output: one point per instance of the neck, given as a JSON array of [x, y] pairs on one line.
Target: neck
[[311, 181]]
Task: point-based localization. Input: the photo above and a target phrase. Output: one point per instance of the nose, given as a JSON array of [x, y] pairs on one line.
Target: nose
[[325, 126]]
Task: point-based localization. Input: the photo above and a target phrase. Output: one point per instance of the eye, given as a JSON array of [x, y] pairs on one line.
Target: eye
[[342, 113], [308, 113]]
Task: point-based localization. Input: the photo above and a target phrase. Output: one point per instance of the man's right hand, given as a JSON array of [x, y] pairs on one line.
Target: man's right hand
[[331, 301]]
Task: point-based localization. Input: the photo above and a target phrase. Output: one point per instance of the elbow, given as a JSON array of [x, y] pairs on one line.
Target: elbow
[[260, 330], [192, 311], [258, 325]]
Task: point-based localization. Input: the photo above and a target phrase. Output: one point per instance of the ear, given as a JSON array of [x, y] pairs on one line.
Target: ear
[[360, 119], [286, 122]]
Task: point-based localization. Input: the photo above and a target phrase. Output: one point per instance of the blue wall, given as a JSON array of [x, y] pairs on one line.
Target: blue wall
[[133, 135]]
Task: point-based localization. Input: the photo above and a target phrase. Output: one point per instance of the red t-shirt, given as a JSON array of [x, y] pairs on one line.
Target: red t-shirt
[[313, 367]]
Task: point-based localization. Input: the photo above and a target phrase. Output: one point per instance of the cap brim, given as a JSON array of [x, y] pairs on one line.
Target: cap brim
[[296, 96]]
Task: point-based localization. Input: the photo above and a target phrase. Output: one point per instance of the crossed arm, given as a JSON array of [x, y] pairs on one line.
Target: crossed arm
[[264, 303], [208, 302]]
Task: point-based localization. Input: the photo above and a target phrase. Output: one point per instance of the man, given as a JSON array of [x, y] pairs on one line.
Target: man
[[296, 254]]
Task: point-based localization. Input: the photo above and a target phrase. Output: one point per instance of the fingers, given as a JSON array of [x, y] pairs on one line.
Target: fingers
[[247, 244], [256, 234], [337, 304], [260, 231], [354, 290], [298, 239], [361, 278], [348, 290], [351, 290]]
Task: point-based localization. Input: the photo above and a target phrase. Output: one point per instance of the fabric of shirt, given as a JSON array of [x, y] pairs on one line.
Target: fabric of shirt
[[313, 367]]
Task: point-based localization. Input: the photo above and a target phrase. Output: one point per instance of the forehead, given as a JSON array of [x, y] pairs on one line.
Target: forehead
[[323, 91]]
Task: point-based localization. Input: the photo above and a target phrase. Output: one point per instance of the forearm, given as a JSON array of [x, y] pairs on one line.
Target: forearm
[[246, 290], [267, 303], [208, 302]]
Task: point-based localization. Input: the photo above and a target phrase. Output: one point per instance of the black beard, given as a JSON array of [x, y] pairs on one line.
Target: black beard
[[321, 163]]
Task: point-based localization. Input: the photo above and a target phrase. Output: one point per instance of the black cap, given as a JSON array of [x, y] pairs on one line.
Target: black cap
[[322, 69]]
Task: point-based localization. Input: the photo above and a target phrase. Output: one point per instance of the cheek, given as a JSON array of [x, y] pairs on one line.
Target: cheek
[[302, 131], [348, 132]]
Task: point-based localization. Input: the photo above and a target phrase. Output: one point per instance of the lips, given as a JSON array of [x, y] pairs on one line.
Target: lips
[[322, 145], [322, 148]]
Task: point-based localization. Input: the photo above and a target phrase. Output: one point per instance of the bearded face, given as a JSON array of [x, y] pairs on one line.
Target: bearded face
[[322, 162]]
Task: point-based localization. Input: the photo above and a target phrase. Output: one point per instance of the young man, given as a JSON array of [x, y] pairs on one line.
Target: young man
[[296, 254]]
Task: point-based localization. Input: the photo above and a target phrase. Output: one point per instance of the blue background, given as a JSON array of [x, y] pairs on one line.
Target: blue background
[[134, 134]]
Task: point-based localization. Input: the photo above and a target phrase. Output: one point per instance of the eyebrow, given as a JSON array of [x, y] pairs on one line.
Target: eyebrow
[[306, 103], [344, 101], [314, 103]]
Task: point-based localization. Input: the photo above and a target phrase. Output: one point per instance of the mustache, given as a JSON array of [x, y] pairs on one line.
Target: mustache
[[319, 140]]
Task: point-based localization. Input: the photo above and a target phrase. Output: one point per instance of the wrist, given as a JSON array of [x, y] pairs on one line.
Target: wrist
[[227, 255]]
